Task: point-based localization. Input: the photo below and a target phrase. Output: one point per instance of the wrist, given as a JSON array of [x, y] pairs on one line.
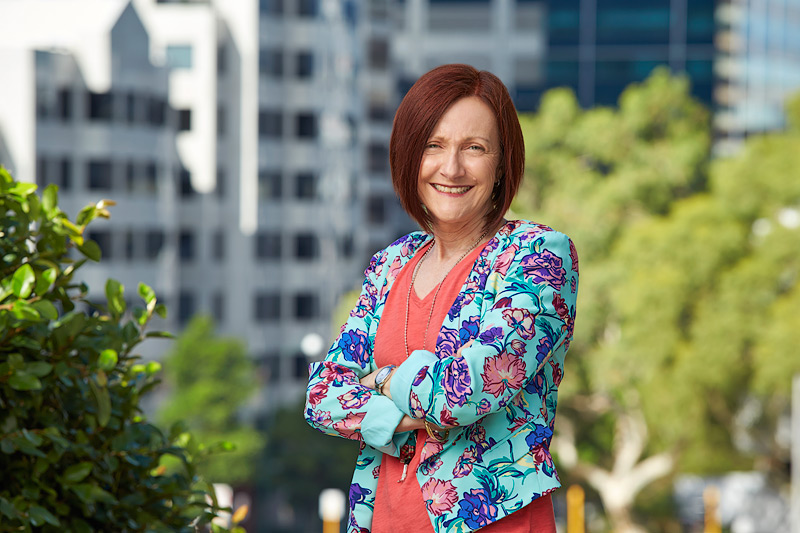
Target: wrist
[[382, 377]]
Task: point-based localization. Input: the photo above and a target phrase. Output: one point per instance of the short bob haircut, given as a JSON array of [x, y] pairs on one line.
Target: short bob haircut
[[417, 116]]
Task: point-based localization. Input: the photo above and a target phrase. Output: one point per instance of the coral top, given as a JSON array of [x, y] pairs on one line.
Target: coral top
[[400, 506]]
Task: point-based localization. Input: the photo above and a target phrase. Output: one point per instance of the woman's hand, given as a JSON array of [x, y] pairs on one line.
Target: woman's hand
[[409, 424], [369, 380]]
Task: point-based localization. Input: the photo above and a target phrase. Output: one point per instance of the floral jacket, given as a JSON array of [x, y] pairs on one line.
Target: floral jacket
[[498, 397]]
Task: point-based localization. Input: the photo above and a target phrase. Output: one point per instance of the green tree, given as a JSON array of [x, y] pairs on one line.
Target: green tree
[[76, 453], [210, 379], [683, 298]]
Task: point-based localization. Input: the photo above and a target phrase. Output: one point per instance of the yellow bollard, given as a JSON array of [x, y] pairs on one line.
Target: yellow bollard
[[711, 505], [575, 503]]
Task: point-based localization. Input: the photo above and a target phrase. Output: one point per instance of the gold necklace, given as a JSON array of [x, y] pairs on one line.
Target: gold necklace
[[435, 294]]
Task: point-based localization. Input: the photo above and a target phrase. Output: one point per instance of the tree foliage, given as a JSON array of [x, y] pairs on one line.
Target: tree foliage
[[683, 350], [76, 454], [210, 379]]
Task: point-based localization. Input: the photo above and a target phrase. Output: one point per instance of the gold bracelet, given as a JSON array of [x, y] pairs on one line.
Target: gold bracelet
[[436, 434]]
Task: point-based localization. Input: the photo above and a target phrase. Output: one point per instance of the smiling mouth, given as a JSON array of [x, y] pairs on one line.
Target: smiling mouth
[[450, 190]]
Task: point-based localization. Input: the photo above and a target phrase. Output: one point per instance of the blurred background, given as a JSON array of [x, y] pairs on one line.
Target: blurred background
[[246, 145]]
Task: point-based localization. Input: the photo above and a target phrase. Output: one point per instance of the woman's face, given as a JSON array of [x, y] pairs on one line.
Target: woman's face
[[459, 165]]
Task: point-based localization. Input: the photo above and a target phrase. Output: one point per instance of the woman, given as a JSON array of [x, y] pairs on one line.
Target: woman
[[447, 370]]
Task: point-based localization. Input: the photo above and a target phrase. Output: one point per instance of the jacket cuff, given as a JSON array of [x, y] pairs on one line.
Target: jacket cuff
[[378, 425], [403, 378]]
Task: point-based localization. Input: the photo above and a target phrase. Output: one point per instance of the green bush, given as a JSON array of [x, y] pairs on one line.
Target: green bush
[[76, 453]]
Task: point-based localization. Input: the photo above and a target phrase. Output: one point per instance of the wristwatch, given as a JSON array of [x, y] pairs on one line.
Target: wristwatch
[[382, 376]]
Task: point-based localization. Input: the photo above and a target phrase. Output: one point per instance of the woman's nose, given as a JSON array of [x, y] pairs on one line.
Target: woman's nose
[[452, 166]]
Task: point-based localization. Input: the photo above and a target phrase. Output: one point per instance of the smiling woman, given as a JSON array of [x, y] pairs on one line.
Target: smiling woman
[[448, 368]]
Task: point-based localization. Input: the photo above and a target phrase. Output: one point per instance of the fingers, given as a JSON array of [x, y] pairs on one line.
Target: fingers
[[466, 345]]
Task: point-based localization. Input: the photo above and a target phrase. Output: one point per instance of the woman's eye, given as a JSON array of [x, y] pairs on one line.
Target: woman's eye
[[476, 147], [431, 145]]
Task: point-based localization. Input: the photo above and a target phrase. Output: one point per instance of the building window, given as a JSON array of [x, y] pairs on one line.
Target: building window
[[151, 176], [156, 111], [130, 108], [154, 242], [218, 306], [270, 62], [185, 182], [64, 104], [378, 54], [101, 106], [218, 245], [270, 185], [130, 176], [179, 56], [306, 306], [270, 124], [267, 307], [305, 186], [305, 65], [222, 59], [376, 210], [65, 173], [103, 240], [100, 175], [186, 306], [221, 120], [222, 181], [270, 7], [306, 246], [378, 158], [308, 8], [268, 245], [186, 245], [184, 119], [306, 125], [347, 246], [130, 245]]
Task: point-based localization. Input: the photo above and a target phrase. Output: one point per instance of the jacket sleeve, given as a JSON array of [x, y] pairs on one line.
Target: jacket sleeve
[[336, 403], [526, 322]]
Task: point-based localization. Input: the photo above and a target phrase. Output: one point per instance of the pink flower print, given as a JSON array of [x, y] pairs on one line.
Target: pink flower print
[[350, 426], [447, 418], [501, 372], [505, 259], [394, 268], [431, 448], [355, 398], [517, 347], [415, 406], [573, 256], [465, 463], [521, 320], [317, 393], [562, 310], [320, 418], [502, 302], [335, 374], [376, 472], [558, 373], [439, 496]]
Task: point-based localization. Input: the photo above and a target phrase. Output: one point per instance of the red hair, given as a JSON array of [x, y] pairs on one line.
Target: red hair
[[422, 108]]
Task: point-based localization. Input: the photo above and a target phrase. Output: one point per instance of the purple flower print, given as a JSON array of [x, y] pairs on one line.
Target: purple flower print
[[544, 348], [456, 382], [420, 375], [491, 335], [521, 320], [544, 267], [358, 495], [355, 398], [447, 344], [483, 407], [469, 330], [539, 435], [455, 309], [354, 346], [477, 508]]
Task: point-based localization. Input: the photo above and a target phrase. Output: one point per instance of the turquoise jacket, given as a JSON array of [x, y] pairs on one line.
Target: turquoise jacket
[[498, 397]]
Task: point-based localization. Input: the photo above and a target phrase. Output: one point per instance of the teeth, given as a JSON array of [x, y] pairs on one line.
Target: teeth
[[451, 190]]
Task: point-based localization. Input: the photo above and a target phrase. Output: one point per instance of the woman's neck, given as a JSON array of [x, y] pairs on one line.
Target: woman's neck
[[453, 242]]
